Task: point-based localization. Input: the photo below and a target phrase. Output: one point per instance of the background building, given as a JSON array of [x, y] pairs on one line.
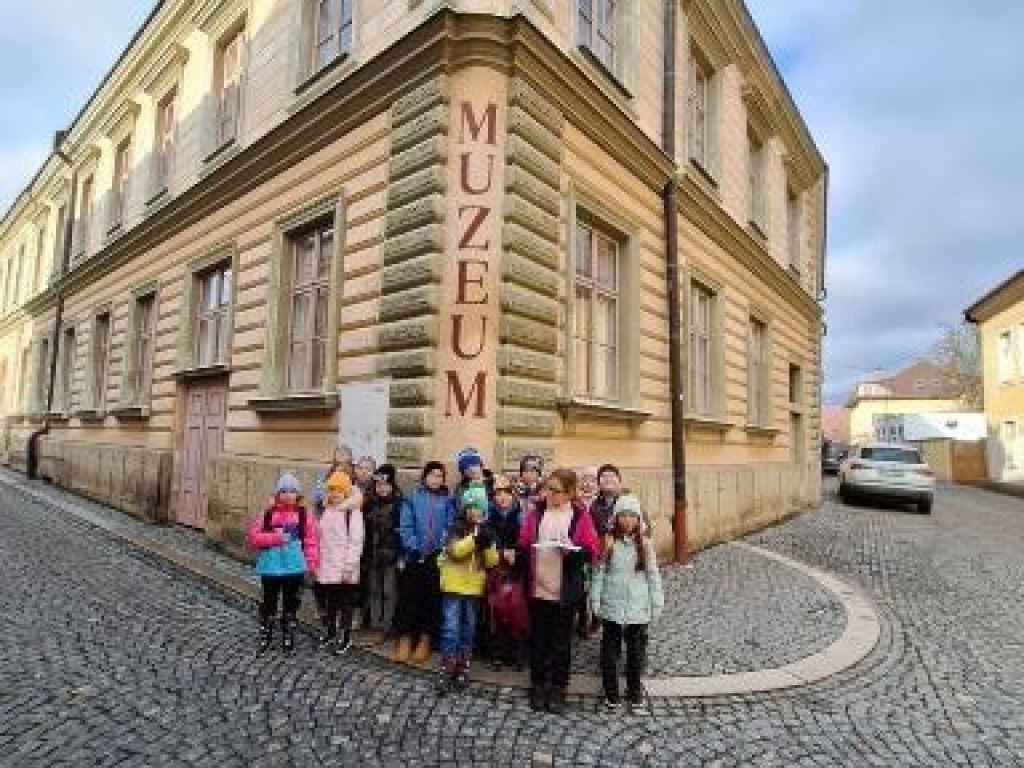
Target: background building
[[409, 227]]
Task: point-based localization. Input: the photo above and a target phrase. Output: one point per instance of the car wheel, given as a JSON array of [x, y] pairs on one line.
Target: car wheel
[[924, 506], [844, 494]]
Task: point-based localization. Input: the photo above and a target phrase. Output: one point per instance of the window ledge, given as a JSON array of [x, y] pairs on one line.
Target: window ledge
[[762, 430], [159, 197], [707, 423], [311, 403], [224, 152], [130, 412], [796, 408], [115, 229], [703, 177], [608, 75], [325, 74], [579, 407], [795, 272], [59, 416], [90, 414], [756, 231], [201, 372]]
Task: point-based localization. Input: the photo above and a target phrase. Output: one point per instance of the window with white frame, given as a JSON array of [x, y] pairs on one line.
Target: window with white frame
[[701, 361], [138, 376], [1010, 443], [796, 385], [23, 381], [311, 253], [19, 275], [332, 31], [43, 374], [37, 272], [228, 86], [758, 400], [213, 312], [67, 371], [1004, 357], [85, 215], [100, 360], [122, 178], [793, 229], [58, 238], [596, 30], [700, 125], [596, 279], [756, 198], [163, 147]]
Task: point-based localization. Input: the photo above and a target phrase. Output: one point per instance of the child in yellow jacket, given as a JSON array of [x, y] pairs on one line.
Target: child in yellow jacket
[[469, 552]]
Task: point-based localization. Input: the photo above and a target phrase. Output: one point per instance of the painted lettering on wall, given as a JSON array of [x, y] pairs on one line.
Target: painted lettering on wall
[[466, 385]]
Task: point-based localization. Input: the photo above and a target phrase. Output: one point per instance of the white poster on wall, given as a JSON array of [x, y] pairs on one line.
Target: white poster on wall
[[363, 420]]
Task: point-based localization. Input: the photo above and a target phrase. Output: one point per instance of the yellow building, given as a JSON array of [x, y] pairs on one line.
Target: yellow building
[[999, 315], [281, 224]]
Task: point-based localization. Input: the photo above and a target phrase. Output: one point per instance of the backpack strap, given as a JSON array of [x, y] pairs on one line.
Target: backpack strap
[[302, 525], [268, 516]]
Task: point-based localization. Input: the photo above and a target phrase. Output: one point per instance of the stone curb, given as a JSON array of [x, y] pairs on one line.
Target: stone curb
[[859, 636]]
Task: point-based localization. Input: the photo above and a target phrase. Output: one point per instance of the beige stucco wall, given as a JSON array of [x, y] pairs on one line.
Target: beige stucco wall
[[1004, 400]]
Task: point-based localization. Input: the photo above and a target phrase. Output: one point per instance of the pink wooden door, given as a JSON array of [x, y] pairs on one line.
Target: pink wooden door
[[205, 410]]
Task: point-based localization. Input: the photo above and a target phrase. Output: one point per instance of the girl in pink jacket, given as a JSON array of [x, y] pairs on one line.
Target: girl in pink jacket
[[341, 535]]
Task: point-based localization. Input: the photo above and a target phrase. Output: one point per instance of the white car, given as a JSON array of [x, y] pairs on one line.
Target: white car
[[889, 471]]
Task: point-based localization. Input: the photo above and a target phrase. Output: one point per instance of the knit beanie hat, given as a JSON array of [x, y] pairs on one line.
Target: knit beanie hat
[[531, 461], [468, 457], [288, 483], [627, 504], [386, 473], [475, 495], [339, 481]]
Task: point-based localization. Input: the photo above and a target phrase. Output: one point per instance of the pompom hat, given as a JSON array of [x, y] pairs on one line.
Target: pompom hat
[[288, 483]]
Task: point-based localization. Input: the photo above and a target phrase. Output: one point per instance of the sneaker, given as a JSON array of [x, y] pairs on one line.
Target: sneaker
[[538, 700], [612, 705], [324, 639], [342, 644], [444, 682], [635, 698]]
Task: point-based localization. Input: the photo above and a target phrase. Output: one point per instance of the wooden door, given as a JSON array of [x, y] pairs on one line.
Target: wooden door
[[205, 411]]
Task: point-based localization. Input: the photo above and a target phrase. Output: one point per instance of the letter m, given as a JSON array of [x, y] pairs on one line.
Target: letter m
[[469, 121], [462, 399]]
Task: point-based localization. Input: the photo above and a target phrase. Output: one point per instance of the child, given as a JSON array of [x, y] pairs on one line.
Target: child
[[341, 536], [558, 539], [341, 460], [588, 486], [626, 594], [364, 470], [424, 517], [468, 552], [505, 594], [586, 624], [471, 470], [609, 482], [381, 552], [531, 470], [285, 536]]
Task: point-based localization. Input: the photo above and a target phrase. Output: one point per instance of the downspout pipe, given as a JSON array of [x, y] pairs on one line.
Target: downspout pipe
[[32, 452], [670, 199]]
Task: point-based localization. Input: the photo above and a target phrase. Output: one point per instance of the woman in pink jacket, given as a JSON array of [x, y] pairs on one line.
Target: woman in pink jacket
[[341, 534], [285, 536]]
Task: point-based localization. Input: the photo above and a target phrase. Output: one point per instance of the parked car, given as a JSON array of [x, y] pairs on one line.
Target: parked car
[[831, 458], [887, 471]]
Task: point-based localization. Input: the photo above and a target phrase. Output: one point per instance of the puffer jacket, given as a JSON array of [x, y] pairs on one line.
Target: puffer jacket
[[281, 552], [620, 593], [382, 518], [462, 572], [424, 518], [341, 535]]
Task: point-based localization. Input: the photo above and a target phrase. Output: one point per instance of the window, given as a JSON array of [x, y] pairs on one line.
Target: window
[[23, 380], [596, 30], [229, 87], [699, 126], [43, 374], [332, 34], [138, 375], [1010, 443], [58, 242], [164, 144], [85, 215], [100, 360], [122, 176], [1004, 357], [702, 320], [311, 254], [793, 229], [18, 275], [758, 401], [67, 370], [756, 208], [596, 332], [1020, 351], [3, 385], [796, 385], [37, 277], [887, 453], [213, 316]]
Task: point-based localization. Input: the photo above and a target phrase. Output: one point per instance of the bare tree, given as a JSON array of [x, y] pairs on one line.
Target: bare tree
[[959, 351]]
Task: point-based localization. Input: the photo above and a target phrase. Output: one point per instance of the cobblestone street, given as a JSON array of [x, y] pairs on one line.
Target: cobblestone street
[[111, 656]]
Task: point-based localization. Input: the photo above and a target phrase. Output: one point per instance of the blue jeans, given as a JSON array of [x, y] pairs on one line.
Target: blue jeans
[[458, 625]]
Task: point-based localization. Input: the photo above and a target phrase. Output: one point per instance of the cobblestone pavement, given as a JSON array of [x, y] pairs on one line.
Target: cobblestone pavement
[[112, 657]]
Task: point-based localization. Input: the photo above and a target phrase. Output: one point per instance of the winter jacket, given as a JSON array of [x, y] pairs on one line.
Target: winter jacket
[[341, 534], [620, 593], [281, 552], [582, 534], [505, 525], [463, 572], [602, 511], [424, 518], [382, 518]]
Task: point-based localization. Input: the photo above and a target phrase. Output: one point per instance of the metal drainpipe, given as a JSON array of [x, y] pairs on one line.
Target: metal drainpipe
[[32, 459], [675, 361]]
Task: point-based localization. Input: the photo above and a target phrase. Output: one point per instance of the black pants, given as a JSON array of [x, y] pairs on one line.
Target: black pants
[[339, 602], [550, 636], [612, 635], [419, 599], [320, 598], [289, 588]]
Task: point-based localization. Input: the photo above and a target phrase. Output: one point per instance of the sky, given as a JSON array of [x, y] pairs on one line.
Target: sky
[[917, 106]]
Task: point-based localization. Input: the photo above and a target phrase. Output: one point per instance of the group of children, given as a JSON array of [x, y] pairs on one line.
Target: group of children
[[499, 563]]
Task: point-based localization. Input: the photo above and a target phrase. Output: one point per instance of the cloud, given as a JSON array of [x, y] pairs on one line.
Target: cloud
[[917, 107]]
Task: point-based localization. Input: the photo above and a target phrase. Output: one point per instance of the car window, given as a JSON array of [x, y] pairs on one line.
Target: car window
[[898, 455]]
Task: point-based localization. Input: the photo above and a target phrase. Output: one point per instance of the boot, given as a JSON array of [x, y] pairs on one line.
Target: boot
[[266, 635], [288, 634], [461, 673], [538, 699], [343, 642], [327, 634], [402, 649], [444, 675], [422, 652], [556, 702]]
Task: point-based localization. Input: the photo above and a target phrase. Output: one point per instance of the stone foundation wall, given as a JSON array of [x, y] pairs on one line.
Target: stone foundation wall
[[134, 480]]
